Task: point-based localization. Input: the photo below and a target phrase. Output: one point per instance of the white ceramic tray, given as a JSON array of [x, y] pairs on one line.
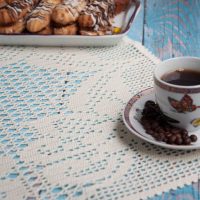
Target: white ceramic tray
[[123, 20]]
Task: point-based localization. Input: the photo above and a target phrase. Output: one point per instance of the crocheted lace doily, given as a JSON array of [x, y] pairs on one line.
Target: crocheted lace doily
[[61, 129]]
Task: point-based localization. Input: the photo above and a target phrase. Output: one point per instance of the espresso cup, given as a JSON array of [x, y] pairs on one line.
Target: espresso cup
[[180, 103]]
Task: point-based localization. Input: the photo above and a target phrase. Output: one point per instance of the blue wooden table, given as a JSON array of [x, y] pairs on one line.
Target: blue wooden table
[[170, 28]]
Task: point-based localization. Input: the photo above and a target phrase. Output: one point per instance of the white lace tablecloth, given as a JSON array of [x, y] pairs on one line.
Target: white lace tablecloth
[[61, 129]]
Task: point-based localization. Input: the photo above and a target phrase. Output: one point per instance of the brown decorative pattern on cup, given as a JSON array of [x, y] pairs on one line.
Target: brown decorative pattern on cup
[[184, 105], [175, 89]]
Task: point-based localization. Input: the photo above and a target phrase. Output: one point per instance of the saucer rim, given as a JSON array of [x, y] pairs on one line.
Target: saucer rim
[[130, 127]]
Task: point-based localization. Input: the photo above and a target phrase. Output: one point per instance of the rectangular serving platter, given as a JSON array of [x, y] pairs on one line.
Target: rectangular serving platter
[[123, 20]]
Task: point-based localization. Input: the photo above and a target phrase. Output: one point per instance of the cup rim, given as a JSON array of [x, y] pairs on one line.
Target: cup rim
[[158, 79]]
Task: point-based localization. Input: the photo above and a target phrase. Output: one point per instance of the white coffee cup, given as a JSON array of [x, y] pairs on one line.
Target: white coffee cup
[[180, 103]]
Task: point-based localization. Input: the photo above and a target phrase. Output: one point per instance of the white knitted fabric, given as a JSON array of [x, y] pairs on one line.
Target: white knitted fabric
[[61, 129]]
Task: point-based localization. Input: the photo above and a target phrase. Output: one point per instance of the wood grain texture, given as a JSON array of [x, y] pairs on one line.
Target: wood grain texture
[[170, 28]]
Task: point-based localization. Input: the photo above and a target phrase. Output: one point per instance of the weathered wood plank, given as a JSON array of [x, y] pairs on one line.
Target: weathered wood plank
[[172, 28]]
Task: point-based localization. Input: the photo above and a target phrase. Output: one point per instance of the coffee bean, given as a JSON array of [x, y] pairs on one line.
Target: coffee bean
[[143, 119], [147, 126], [172, 139], [161, 130], [187, 141], [178, 135], [179, 141], [157, 108], [165, 139], [151, 132], [175, 130], [185, 136], [158, 138], [184, 132], [145, 111], [156, 125], [162, 136], [155, 135], [157, 129], [166, 128], [193, 138], [168, 134], [144, 123], [150, 103]]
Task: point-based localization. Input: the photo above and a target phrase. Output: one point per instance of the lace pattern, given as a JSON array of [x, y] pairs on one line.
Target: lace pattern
[[61, 129]]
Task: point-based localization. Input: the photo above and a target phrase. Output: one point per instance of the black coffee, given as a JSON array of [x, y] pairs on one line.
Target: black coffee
[[183, 77]]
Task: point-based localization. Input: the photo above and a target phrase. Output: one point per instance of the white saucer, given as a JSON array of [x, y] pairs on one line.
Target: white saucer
[[131, 118]]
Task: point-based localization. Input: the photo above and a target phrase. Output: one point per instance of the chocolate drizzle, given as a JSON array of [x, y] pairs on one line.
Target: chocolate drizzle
[[38, 13], [92, 17], [18, 6], [100, 14], [16, 10]]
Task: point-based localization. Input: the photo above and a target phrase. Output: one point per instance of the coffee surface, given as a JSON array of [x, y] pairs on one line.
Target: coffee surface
[[183, 77]]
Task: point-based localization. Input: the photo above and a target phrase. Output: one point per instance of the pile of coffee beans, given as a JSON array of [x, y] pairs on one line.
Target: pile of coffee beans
[[157, 125]]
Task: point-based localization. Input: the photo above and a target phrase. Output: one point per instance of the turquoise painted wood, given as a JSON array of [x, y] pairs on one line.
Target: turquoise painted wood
[[136, 31], [170, 28]]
